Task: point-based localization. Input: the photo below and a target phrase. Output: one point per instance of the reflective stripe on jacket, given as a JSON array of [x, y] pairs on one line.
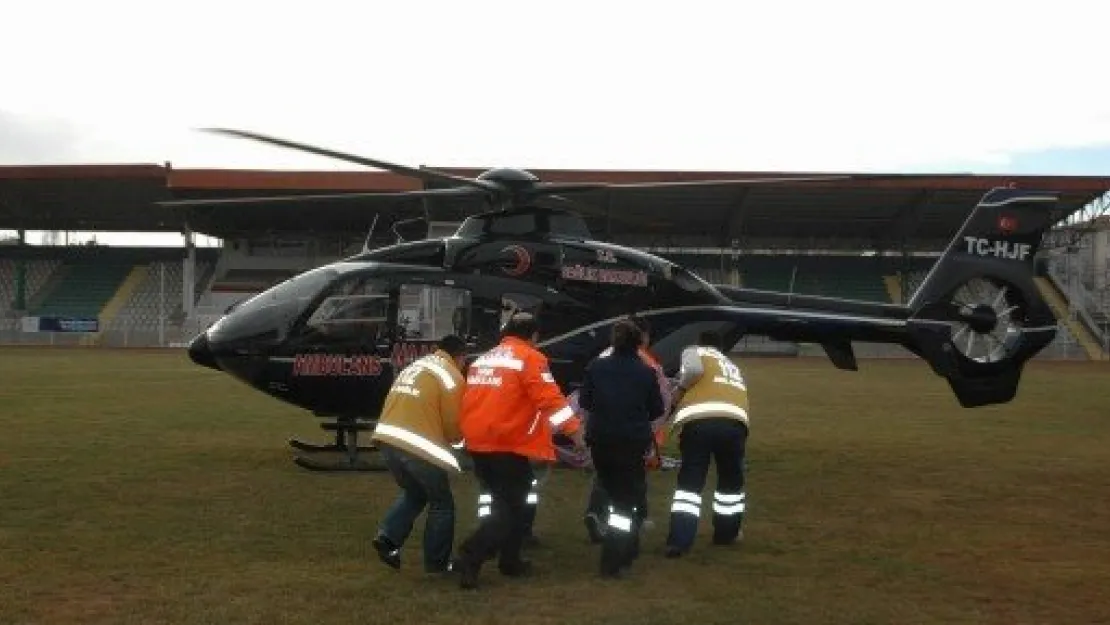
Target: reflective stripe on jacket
[[421, 411], [715, 387], [512, 403]]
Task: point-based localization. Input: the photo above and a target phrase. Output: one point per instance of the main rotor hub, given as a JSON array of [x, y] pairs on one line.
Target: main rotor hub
[[512, 180]]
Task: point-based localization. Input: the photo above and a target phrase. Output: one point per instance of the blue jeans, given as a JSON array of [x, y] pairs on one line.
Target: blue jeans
[[422, 484]]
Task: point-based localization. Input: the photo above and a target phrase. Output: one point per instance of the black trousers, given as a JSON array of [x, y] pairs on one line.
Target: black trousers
[[619, 467], [598, 502], [723, 441], [530, 506], [508, 478]]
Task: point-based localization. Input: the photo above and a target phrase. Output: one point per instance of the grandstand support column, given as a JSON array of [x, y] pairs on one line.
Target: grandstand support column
[[1099, 249], [732, 227], [20, 302], [188, 273]]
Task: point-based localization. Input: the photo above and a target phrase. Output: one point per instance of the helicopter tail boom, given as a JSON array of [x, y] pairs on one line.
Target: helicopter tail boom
[[978, 317]]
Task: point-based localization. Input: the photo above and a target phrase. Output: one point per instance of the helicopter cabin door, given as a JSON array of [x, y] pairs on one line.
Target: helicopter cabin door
[[490, 311], [428, 310]]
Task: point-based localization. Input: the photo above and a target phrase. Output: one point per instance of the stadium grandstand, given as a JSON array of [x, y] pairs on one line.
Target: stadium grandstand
[[869, 237]]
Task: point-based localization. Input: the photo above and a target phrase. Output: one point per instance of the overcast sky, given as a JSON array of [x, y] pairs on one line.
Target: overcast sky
[[971, 85]]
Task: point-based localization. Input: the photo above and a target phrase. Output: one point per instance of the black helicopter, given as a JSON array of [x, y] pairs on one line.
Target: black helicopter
[[330, 340]]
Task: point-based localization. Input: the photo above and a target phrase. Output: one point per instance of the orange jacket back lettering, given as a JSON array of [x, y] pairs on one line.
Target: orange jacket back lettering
[[512, 402]]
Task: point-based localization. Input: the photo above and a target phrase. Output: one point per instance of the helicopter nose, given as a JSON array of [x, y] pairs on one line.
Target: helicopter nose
[[201, 353]]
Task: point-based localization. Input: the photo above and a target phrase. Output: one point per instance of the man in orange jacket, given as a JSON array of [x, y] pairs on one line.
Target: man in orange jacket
[[509, 408]]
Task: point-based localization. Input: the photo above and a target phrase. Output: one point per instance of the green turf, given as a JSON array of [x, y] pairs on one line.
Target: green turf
[[137, 488]]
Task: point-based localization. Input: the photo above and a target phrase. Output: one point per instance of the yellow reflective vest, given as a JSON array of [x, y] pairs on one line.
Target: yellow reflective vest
[[712, 386], [421, 411]]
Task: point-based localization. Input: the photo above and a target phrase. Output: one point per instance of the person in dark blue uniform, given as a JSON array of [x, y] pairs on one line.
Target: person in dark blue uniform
[[622, 395]]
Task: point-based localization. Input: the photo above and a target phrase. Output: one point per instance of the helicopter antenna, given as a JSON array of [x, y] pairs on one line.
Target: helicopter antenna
[[401, 239], [370, 233]]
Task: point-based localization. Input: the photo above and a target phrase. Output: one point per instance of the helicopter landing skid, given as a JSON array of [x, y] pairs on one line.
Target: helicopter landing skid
[[346, 442]]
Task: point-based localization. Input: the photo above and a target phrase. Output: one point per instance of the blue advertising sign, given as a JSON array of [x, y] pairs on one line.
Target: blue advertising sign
[[69, 324]]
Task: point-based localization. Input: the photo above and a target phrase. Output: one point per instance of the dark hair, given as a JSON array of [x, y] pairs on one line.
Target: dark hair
[[521, 325], [626, 337], [453, 345], [641, 323], [710, 339]]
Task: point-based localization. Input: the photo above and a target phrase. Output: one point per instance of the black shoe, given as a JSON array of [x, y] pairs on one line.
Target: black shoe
[[445, 570], [611, 573], [594, 528], [388, 553], [468, 573], [674, 552], [516, 569], [724, 540]]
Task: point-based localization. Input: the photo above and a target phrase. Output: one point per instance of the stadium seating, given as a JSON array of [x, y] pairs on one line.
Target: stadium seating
[[851, 277], [143, 308], [38, 274], [83, 290]]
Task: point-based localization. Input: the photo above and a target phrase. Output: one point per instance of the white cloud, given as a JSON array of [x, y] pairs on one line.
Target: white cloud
[[692, 85]]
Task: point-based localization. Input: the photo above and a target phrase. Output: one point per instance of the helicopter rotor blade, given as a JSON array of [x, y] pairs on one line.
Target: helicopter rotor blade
[[571, 187], [558, 190], [426, 175], [331, 197], [591, 210], [546, 188]]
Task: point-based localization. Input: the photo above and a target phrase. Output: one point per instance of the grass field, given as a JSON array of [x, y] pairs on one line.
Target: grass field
[[137, 488]]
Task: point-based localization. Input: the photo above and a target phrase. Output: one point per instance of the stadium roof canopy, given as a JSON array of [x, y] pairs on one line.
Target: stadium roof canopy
[[879, 210]]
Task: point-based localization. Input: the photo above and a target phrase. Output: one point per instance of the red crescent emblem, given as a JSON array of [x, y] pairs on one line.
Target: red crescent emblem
[[1007, 224], [522, 260]]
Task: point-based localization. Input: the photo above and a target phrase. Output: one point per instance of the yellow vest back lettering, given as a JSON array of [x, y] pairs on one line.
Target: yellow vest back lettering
[[721, 391]]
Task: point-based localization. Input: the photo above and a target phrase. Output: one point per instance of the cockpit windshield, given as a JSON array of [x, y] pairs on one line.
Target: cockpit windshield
[[299, 289], [268, 313]]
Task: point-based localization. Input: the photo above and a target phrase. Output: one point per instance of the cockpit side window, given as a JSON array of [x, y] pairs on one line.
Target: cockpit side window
[[429, 312], [355, 308]]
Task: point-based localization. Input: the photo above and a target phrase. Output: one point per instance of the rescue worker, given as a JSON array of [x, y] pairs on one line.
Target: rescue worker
[[621, 393], [598, 503], [509, 408], [711, 419], [418, 425]]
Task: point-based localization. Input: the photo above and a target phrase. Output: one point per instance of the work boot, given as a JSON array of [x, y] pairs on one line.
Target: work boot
[[388, 552], [468, 570], [728, 540], [520, 568], [610, 573], [441, 571], [674, 552]]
